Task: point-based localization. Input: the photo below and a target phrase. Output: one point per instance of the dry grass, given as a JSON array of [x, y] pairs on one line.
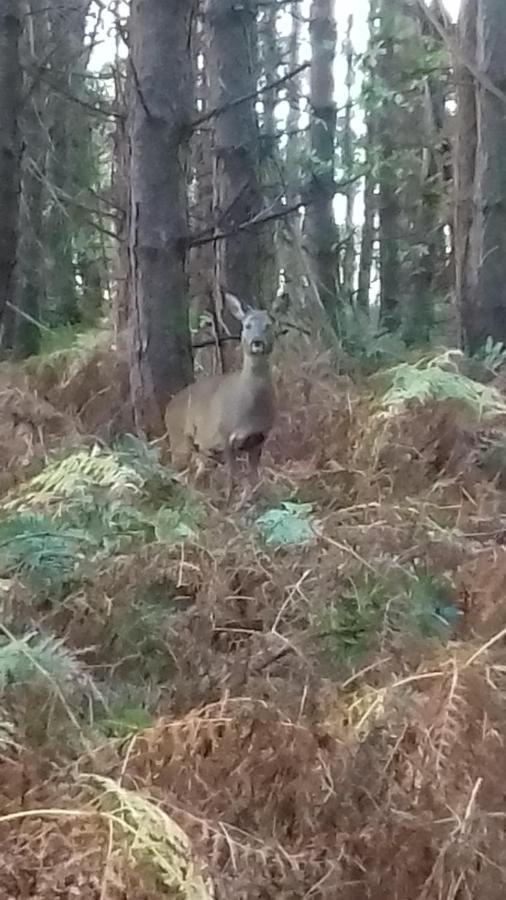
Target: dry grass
[[295, 772]]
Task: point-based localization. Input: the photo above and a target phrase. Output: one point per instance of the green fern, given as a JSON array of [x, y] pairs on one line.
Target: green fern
[[432, 380], [290, 523], [39, 659], [416, 604], [86, 506], [65, 343], [492, 354], [365, 340], [44, 553], [127, 471]]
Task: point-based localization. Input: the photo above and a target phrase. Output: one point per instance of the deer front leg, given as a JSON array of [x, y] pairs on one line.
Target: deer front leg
[[231, 463], [254, 456]]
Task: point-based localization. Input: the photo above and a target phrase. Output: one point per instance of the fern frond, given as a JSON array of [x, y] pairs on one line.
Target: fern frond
[[43, 552], [76, 474], [154, 839], [39, 658], [428, 380]]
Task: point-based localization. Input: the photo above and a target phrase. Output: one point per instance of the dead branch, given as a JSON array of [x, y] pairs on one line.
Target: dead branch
[[270, 86]]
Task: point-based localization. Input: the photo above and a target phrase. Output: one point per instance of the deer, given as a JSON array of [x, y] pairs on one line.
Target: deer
[[232, 413]]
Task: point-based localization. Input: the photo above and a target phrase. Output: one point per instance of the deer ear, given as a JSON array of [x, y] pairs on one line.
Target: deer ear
[[235, 306]]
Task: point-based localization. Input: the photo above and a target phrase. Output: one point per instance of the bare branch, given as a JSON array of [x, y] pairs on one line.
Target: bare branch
[[270, 86]]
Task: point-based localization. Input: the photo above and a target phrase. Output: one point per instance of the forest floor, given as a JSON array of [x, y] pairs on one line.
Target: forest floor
[[312, 688]]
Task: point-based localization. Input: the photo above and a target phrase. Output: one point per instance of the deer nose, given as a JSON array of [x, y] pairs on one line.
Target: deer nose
[[257, 346]]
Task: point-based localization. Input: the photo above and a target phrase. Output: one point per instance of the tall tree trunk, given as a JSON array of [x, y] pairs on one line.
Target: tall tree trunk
[[201, 197], [68, 20], [120, 177], [480, 174], [161, 361], [232, 61], [319, 225], [486, 261], [269, 52], [10, 147], [31, 281], [367, 232], [348, 160], [293, 96], [388, 204], [293, 264]]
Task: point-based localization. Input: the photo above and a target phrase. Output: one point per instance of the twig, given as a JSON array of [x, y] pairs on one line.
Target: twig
[[207, 238], [270, 86], [211, 342], [27, 316]]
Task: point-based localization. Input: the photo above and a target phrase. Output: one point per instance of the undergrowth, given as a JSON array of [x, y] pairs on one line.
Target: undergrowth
[[302, 697]]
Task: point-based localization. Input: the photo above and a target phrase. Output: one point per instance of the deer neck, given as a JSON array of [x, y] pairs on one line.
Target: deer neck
[[256, 367]]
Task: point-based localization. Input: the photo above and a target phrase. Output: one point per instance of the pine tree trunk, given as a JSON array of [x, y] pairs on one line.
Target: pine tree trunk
[[31, 281], [293, 263], [161, 360], [319, 226], [201, 197], [120, 192], [10, 148], [68, 19], [232, 60], [348, 158], [388, 201], [481, 178], [367, 234], [269, 150]]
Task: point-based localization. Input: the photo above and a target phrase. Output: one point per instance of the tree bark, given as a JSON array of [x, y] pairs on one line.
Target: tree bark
[[367, 233], [232, 60], [320, 236], [201, 265], [31, 281], [161, 361], [68, 20], [120, 193], [388, 201], [10, 148], [348, 159], [482, 265], [269, 151]]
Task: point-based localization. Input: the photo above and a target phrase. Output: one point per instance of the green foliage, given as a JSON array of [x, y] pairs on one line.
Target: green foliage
[[45, 554], [173, 525], [367, 343], [39, 659], [492, 354], [70, 340], [89, 504], [290, 523], [125, 720], [431, 379], [379, 608], [141, 638]]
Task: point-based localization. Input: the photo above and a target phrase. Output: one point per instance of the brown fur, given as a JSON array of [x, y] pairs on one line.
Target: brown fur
[[228, 413]]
